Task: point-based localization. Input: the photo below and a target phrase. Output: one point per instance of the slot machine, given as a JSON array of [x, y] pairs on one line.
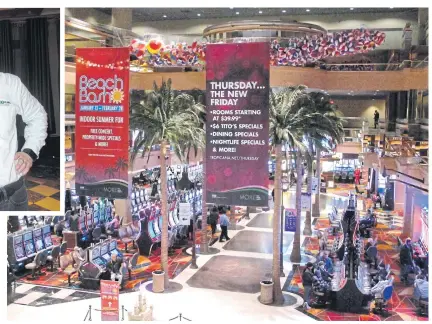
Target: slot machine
[[96, 216], [113, 248], [46, 234], [95, 257], [81, 222], [30, 249], [16, 251], [89, 218], [105, 245], [38, 239]]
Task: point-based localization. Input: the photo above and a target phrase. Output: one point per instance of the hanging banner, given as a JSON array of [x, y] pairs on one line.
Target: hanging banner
[[306, 201], [314, 183], [237, 124], [102, 122], [290, 220], [109, 292], [185, 213]]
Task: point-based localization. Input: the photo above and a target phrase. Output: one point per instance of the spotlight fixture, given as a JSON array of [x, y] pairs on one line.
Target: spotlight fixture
[[237, 13], [283, 11], [231, 8], [164, 16], [199, 15], [260, 12], [307, 10], [351, 8]]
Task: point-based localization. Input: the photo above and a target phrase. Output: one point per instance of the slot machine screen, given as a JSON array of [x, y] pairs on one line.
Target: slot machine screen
[[96, 252], [133, 195], [112, 245], [37, 234], [135, 209], [46, 231], [96, 216], [104, 249], [133, 202], [142, 193], [28, 242], [156, 227], [19, 251], [151, 230]]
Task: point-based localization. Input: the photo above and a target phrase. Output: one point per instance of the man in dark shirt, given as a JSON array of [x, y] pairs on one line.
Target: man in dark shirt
[[307, 280], [115, 267], [376, 118], [406, 260]]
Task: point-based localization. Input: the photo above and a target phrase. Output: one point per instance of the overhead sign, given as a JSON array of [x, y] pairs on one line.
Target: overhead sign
[[109, 292], [185, 213], [290, 220], [237, 141], [306, 201], [102, 122], [314, 184]]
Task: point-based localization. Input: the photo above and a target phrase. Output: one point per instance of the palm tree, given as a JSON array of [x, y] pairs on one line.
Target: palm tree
[[81, 173], [166, 117], [121, 165], [330, 131], [110, 171], [290, 115]]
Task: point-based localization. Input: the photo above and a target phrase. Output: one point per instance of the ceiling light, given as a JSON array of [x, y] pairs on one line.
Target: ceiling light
[[231, 8], [307, 10], [260, 12], [283, 11], [351, 8], [164, 16], [198, 15], [237, 13], [377, 90]]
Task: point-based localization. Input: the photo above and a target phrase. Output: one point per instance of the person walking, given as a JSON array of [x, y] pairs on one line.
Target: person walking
[[224, 223], [307, 280], [213, 219], [406, 260], [376, 118], [15, 100]]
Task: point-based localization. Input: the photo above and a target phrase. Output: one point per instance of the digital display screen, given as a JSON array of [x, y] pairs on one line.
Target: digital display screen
[[156, 227], [39, 244], [133, 202], [142, 193], [19, 252], [95, 252], [48, 241], [151, 230], [28, 236], [104, 249], [30, 248], [133, 195], [99, 262], [46, 229], [113, 245]]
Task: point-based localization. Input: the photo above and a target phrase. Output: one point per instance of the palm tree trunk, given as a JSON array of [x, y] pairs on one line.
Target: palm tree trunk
[[164, 211], [308, 220], [204, 245], [295, 254], [277, 291], [316, 207]]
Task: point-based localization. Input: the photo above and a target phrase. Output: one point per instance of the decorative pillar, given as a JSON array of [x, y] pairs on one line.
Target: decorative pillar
[[408, 216], [121, 18]]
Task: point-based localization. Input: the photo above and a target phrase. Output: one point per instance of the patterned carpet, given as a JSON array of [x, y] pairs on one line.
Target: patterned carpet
[[401, 305], [178, 260]]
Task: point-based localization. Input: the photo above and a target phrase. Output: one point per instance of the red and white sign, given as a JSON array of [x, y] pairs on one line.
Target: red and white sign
[[109, 300], [102, 122]]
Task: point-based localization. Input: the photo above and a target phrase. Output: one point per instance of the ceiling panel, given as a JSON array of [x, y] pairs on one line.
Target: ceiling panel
[[157, 14]]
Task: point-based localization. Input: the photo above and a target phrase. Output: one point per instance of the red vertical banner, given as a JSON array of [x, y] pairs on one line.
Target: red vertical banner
[[109, 300], [102, 122], [237, 129]]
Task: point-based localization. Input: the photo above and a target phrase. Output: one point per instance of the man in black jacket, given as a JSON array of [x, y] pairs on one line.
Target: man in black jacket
[[406, 260], [307, 279], [115, 267]]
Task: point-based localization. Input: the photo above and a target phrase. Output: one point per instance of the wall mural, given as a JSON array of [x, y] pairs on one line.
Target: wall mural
[[284, 52]]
